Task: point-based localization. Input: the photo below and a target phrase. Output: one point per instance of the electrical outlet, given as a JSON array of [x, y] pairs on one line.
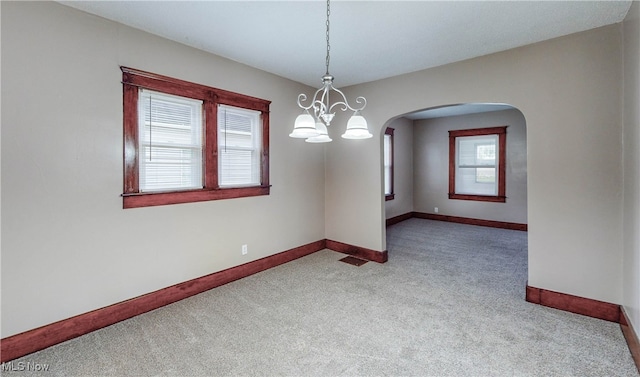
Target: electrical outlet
[[435, 209], [244, 250]]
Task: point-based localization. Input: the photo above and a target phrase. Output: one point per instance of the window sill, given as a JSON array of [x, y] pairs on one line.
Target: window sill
[[479, 198], [137, 200]]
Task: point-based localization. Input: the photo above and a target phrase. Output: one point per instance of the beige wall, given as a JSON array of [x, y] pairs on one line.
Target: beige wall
[[631, 145], [68, 247], [431, 167], [402, 168], [569, 92]]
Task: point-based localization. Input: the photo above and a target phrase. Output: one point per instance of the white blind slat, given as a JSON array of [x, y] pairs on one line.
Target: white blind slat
[[476, 165], [238, 147], [387, 164], [170, 137]]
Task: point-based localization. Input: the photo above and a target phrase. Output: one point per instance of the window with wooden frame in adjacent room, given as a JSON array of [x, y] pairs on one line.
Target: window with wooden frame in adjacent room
[[388, 164], [477, 164], [186, 142]]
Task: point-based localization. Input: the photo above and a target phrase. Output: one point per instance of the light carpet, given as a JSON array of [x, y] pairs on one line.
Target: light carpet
[[450, 302]]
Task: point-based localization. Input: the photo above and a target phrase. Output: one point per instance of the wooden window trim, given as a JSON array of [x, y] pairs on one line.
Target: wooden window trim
[[132, 80], [502, 163], [392, 195]]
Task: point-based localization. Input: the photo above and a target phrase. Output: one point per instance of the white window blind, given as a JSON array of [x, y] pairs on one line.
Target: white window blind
[[387, 164], [170, 141], [476, 165], [239, 147]]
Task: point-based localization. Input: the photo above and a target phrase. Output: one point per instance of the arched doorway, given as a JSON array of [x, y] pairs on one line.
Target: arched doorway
[[421, 162], [421, 167]]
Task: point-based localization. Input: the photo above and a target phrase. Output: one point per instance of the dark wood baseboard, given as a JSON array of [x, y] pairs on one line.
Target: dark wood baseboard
[[631, 337], [574, 304], [37, 339], [470, 221], [591, 308], [456, 219], [397, 219], [357, 251]]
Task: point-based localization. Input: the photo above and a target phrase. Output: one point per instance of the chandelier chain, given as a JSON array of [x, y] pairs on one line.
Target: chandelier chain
[[313, 128], [328, 45]]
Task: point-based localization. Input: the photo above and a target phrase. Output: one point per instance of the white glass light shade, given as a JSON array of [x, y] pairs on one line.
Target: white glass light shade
[[357, 128], [304, 127], [323, 137]]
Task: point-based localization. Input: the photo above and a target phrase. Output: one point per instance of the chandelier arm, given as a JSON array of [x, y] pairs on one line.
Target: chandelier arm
[[319, 108], [362, 100], [324, 98], [345, 106], [345, 103], [303, 97]]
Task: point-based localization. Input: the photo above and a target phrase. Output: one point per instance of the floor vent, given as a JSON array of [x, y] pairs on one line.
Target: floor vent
[[354, 261]]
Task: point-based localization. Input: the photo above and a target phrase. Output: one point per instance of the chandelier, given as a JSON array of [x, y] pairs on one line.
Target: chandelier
[[313, 128]]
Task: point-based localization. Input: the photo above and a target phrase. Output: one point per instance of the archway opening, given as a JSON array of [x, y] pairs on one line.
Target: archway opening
[[422, 166]]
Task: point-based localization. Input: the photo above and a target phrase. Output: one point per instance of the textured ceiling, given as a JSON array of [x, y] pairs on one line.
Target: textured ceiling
[[370, 40]]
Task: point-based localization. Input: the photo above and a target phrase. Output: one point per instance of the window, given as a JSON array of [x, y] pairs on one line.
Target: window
[[238, 146], [185, 142], [477, 160], [388, 164], [170, 147]]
